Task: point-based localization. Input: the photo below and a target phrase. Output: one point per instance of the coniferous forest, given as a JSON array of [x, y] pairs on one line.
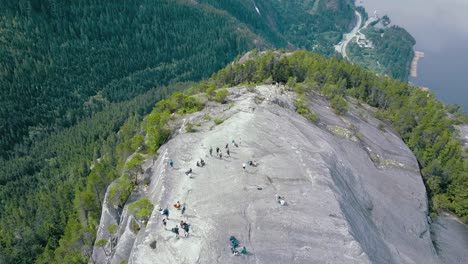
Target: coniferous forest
[[77, 76]]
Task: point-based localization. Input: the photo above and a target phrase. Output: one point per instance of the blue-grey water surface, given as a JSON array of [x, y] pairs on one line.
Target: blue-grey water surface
[[440, 28]]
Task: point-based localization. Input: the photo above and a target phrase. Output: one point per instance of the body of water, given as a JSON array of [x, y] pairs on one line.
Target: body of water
[[440, 28]]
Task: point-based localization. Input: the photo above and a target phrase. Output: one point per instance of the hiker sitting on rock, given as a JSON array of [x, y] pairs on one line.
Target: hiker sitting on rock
[[234, 245], [177, 205], [280, 200], [252, 163]]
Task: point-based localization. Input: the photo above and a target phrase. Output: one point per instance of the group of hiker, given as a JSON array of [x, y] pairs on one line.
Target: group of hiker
[[183, 225], [250, 163], [219, 152], [234, 243], [201, 163]]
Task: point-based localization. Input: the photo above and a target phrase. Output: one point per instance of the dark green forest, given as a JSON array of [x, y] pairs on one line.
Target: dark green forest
[[77, 76], [423, 122], [312, 25], [37, 191], [62, 60]]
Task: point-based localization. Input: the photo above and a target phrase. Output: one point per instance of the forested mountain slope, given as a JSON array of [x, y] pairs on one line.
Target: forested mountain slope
[[56, 56], [309, 24], [68, 73], [62, 60]]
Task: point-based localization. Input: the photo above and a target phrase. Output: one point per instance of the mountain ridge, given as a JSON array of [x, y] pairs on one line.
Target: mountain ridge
[[329, 180]]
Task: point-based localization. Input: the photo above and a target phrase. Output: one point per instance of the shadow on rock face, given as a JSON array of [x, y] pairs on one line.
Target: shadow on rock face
[[358, 216]]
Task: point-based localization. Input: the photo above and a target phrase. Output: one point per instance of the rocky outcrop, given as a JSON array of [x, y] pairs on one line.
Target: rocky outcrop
[[352, 188], [450, 238], [109, 216]]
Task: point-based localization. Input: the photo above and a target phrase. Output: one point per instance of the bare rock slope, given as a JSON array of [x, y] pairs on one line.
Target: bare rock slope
[[352, 188]]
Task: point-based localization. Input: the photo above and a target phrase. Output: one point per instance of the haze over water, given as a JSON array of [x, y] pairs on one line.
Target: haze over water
[[440, 28]]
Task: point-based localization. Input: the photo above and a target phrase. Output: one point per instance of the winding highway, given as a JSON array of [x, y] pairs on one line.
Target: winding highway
[[341, 47]]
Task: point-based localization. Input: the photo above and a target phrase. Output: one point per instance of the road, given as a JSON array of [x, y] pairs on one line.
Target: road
[[341, 47]]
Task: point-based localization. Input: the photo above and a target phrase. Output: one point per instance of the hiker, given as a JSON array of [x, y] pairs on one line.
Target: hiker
[[280, 200], [227, 145], [183, 210], [217, 150], [228, 153], [234, 241], [211, 151], [221, 155], [188, 172], [166, 213], [233, 142], [176, 231], [244, 250], [184, 227], [234, 252], [252, 163], [198, 164], [234, 245], [177, 205], [202, 162], [243, 166], [171, 163], [164, 222]]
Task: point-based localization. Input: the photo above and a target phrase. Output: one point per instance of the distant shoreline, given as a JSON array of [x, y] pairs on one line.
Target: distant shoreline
[[414, 63]]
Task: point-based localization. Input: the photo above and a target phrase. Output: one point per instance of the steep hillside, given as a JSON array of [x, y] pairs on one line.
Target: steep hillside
[[64, 60], [69, 71], [353, 191], [308, 24]]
